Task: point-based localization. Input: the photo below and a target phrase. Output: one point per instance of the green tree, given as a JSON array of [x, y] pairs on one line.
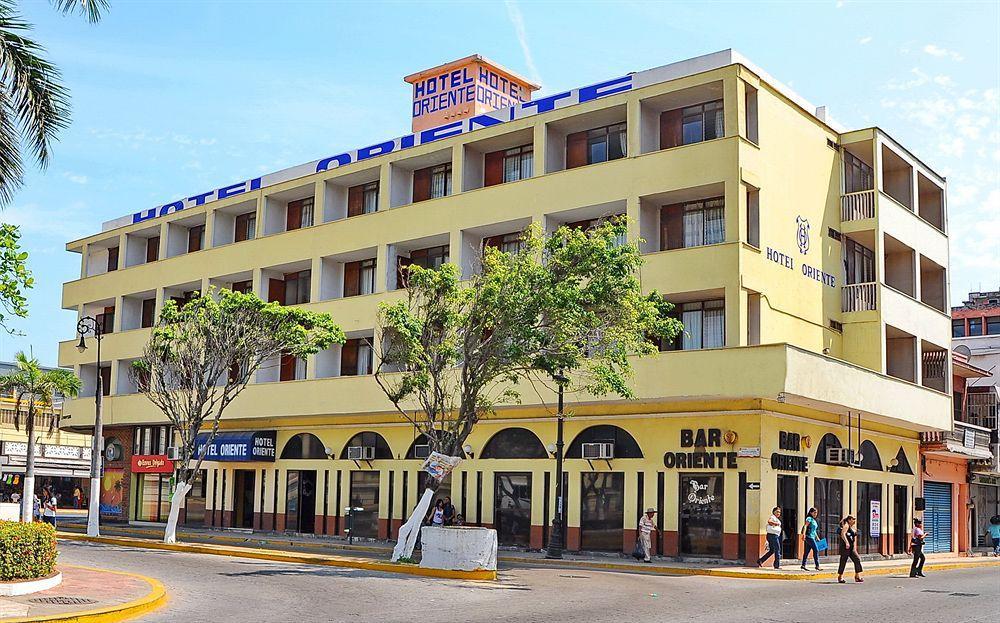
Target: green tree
[[34, 107], [35, 389], [452, 350], [203, 354]]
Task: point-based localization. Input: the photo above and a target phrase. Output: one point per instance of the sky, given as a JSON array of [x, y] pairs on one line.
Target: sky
[[173, 98]]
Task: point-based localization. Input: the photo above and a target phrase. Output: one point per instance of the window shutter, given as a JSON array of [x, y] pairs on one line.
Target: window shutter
[[276, 291], [670, 128], [493, 173], [576, 150], [672, 227], [349, 358], [106, 381], [240, 233], [293, 215], [352, 279], [153, 249], [421, 185], [112, 259], [287, 368], [194, 238], [355, 200], [148, 313]]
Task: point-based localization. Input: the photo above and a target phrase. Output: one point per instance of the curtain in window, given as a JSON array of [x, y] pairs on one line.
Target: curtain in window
[[511, 167], [438, 185], [364, 358], [623, 141], [714, 325], [369, 201], [715, 124], [715, 222], [527, 164], [367, 279], [694, 228], [691, 317]]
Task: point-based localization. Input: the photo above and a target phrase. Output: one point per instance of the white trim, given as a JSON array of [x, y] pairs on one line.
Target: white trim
[[26, 587]]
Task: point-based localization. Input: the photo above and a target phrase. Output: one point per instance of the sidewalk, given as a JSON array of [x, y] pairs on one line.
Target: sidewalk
[[336, 551], [86, 595]]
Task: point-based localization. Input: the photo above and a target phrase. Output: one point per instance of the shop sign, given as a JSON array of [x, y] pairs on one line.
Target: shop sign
[[984, 479], [700, 438], [46, 450], [112, 492], [152, 464], [789, 463], [802, 241], [238, 446], [698, 493], [969, 439], [789, 441], [748, 453], [875, 526]]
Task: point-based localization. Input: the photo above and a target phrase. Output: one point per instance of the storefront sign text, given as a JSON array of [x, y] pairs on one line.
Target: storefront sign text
[[700, 438], [152, 464], [789, 441], [698, 493], [243, 446], [875, 527], [789, 463]]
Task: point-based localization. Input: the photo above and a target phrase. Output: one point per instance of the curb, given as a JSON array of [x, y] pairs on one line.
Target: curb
[[279, 556], [156, 598]]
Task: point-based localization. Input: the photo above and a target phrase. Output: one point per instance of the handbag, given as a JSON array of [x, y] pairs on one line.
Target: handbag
[[822, 545], [638, 552]]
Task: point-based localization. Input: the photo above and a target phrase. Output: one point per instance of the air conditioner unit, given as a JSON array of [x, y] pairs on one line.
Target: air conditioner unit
[[174, 453], [840, 456], [599, 450], [421, 451], [361, 453]]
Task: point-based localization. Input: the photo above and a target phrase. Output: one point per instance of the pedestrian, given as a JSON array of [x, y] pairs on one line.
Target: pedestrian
[[15, 497], [49, 505], [646, 527], [994, 531], [449, 511], [849, 549], [773, 531], [36, 507], [917, 549], [459, 519], [77, 497], [809, 538], [437, 514]]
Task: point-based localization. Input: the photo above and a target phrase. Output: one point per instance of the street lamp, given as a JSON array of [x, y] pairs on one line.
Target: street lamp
[[556, 536], [91, 325]]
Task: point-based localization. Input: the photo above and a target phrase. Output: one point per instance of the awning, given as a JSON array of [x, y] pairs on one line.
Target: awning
[[241, 446], [53, 472]]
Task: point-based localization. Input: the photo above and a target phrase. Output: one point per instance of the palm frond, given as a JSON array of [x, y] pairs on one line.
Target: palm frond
[[11, 167], [92, 9]]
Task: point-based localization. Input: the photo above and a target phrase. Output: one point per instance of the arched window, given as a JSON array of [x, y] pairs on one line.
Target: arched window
[[869, 456], [829, 440], [304, 446], [902, 464], [370, 439], [625, 445], [421, 440], [514, 443]]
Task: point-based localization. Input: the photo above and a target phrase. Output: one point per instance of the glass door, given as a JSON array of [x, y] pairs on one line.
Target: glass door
[[788, 501], [364, 495], [828, 498], [701, 509], [602, 511], [512, 508]]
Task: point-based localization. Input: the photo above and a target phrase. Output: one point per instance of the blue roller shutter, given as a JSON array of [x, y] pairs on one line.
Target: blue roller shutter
[[937, 516]]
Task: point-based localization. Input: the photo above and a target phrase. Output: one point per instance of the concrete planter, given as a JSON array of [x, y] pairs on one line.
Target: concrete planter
[[26, 587], [458, 548]]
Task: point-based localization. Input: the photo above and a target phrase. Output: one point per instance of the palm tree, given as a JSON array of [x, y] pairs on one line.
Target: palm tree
[[30, 384], [34, 106]]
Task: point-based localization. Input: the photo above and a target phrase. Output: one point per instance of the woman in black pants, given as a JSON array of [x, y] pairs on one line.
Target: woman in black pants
[[917, 548], [848, 549]]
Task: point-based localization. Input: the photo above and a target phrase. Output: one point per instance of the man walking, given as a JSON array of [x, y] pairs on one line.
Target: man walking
[[773, 539], [646, 527]]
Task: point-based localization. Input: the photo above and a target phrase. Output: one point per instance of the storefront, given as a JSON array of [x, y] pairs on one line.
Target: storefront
[[228, 497], [62, 468], [983, 494]]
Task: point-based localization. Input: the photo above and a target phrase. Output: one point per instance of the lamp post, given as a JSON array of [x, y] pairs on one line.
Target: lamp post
[[557, 533], [91, 325]]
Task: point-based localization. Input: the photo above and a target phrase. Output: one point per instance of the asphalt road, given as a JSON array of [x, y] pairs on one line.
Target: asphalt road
[[214, 589]]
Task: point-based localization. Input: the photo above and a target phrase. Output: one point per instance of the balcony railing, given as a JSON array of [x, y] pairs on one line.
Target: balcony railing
[[969, 436], [857, 206], [981, 409], [860, 297]]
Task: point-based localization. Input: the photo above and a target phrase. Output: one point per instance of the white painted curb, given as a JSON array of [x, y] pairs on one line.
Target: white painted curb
[[26, 587]]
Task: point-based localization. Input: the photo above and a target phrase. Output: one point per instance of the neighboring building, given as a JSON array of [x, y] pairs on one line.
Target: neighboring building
[[808, 264], [62, 458]]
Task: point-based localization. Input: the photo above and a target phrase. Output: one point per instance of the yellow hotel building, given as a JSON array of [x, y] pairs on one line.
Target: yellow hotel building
[[809, 264]]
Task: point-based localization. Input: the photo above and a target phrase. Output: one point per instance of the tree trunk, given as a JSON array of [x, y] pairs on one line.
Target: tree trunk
[[180, 492], [28, 497], [410, 530]]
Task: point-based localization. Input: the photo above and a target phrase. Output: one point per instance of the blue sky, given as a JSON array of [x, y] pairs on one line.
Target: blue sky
[[172, 98]]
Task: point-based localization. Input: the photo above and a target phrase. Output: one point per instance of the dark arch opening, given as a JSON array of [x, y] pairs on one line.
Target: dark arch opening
[[421, 440], [304, 446], [514, 443], [902, 464], [869, 456], [829, 440], [371, 439], [625, 445]]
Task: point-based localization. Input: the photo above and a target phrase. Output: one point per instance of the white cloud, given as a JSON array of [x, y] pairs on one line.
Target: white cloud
[[517, 20], [865, 40], [76, 178], [940, 52], [56, 223]]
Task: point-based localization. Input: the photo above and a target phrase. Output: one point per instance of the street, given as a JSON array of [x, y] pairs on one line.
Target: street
[[206, 588]]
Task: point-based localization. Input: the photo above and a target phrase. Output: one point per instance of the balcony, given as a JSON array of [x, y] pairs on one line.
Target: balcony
[[860, 297], [963, 440], [857, 206], [981, 409]]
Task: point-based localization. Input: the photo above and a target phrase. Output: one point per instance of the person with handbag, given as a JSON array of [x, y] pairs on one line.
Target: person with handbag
[[773, 531], [917, 549], [646, 527], [848, 549], [809, 538]]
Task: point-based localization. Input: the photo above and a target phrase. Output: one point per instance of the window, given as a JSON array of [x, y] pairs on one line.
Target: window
[[112, 259], [704, 326], [292, 368], [607, 143], [148, 313], [356, 357], [702, 123], [246, 227], [693, 224], [975, 326], [432, 258], [299, 214], [508, 243], [958, 327], [297, 287], [196, 238], [152, 249], [753, 217], [244, 287], [359, 277], [362, 199], [588, 224], [150, 440], [858, 176], [859, 263], [441, 181], [107, 319], [993, 325], [517, 163]]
